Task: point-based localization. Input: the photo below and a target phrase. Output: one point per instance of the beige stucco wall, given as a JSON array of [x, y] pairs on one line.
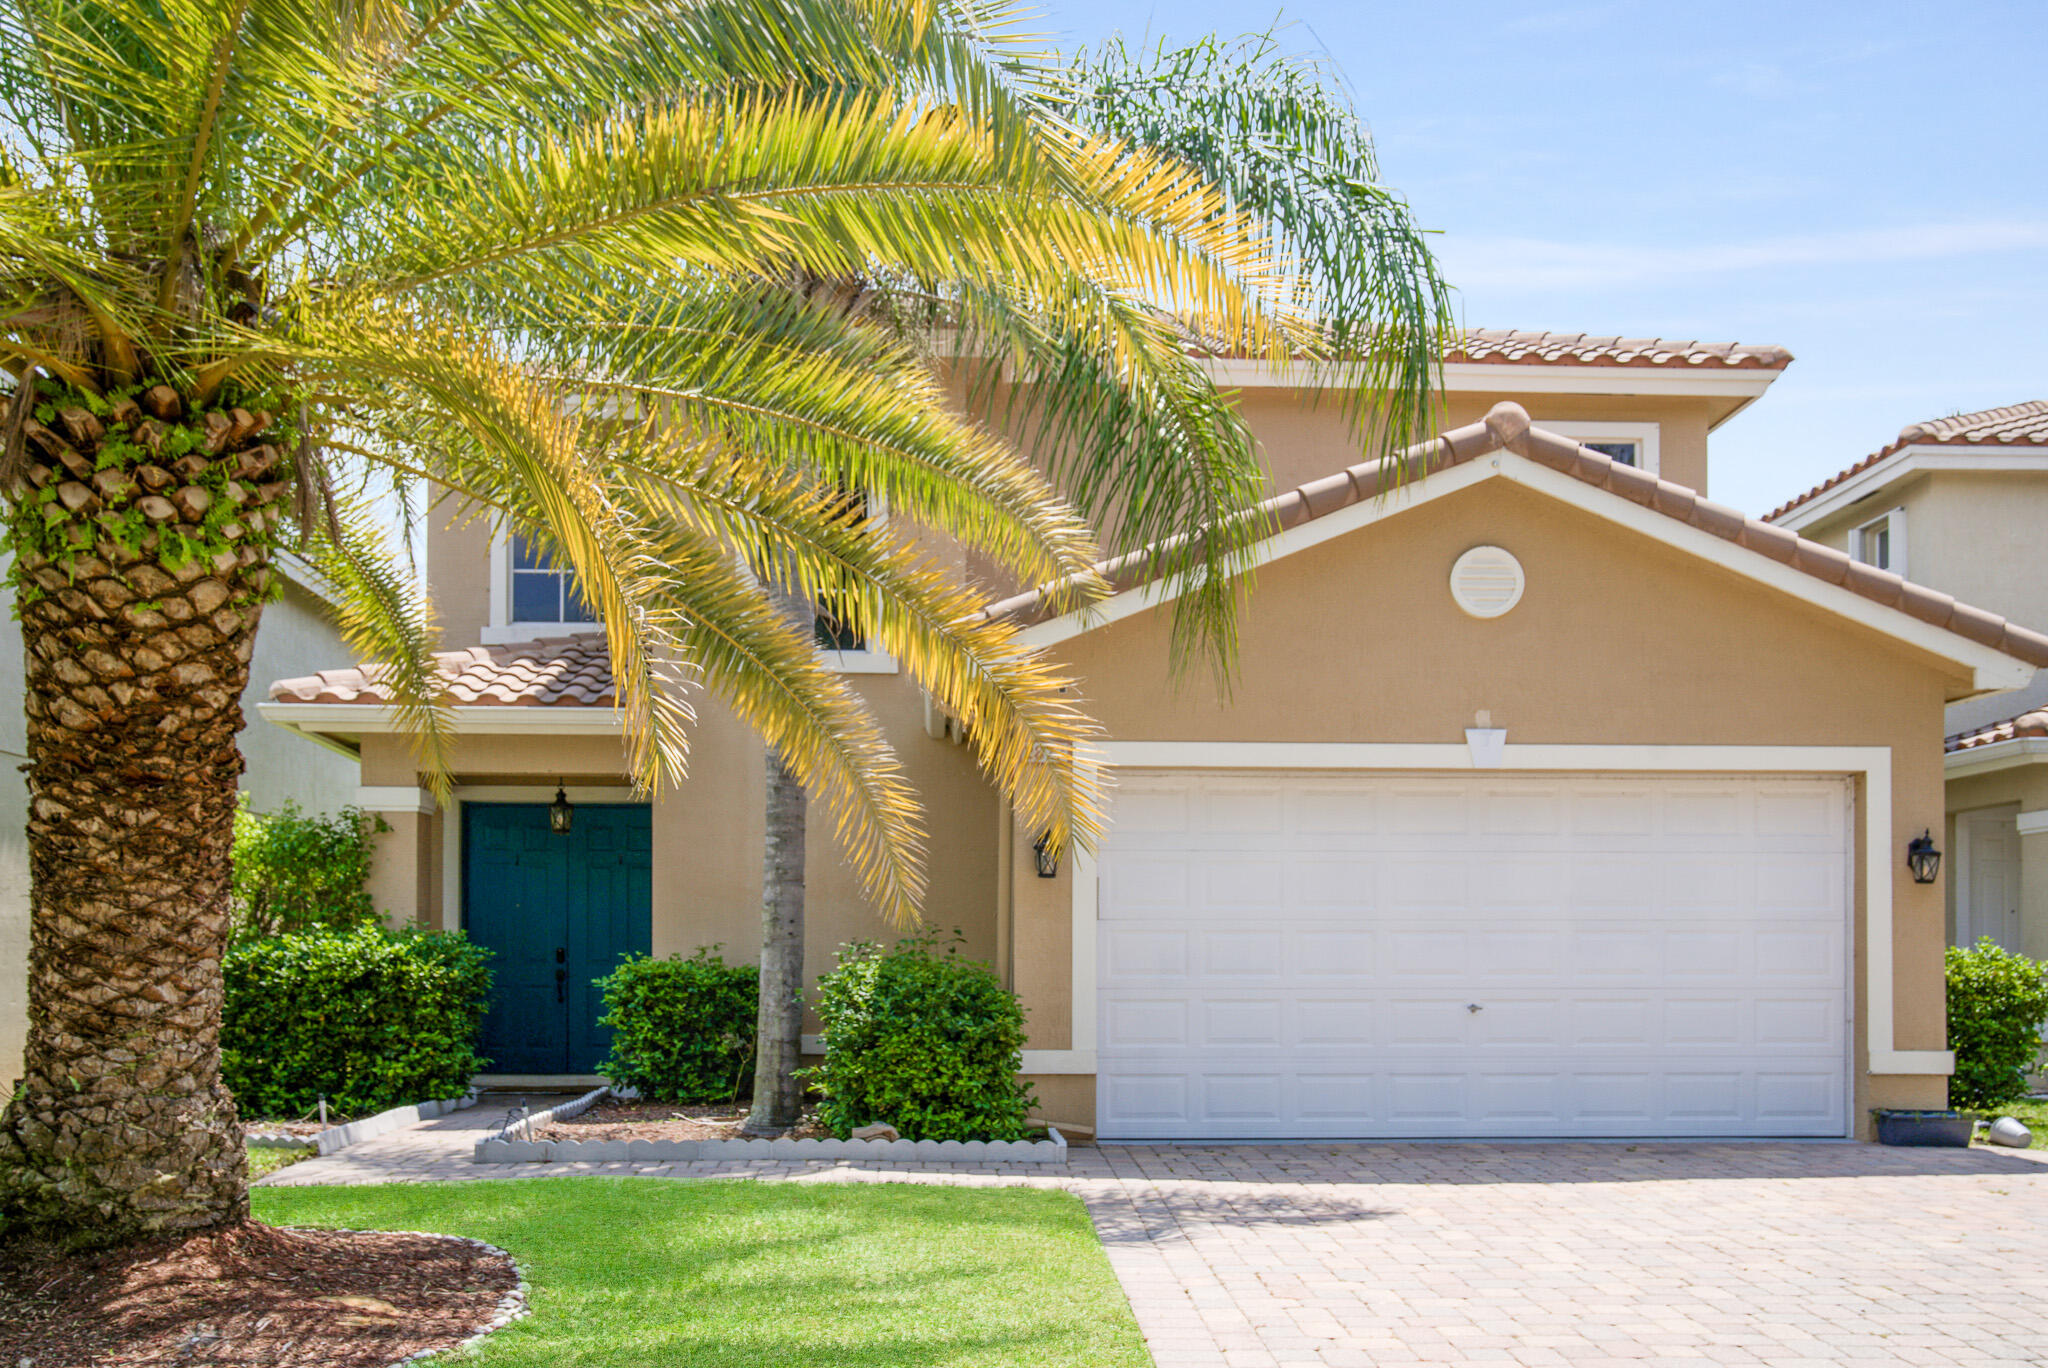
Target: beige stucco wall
[[1617, 640], [708, 832], [2026, 786], [295, 638]]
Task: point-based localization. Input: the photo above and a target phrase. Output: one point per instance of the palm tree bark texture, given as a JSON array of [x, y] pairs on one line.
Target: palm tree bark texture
[[778, 1094], [138, 603]]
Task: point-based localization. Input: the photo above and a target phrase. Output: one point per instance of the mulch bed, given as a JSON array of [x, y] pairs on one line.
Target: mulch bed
[[249, 1294], [616, 1120]]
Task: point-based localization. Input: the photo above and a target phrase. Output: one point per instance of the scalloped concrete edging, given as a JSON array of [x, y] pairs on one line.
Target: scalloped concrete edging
[[515, 1145], [369, 1128]]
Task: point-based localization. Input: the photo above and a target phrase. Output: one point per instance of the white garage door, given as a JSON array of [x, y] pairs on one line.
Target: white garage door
[[1333, 955]]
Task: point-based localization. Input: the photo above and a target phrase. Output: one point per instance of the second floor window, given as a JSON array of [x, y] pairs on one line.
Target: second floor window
[[1627, 453], [1882, 542], [540, 591], [830, 627]]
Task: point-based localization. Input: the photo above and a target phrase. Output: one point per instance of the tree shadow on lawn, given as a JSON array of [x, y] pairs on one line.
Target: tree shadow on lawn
[[629, 1272]]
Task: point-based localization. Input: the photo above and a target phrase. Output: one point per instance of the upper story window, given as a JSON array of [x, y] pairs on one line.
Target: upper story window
[[845, 645], [540, 591], [1630, 444], [531, 595], [1882, 542]]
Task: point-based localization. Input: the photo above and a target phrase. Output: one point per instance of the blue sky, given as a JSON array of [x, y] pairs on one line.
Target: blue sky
[[1861, 183]]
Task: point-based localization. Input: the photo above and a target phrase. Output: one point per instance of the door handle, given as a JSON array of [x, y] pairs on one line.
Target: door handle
[[561, 985]]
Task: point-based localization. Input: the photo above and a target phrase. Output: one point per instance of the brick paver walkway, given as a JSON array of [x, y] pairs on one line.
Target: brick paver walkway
[[1513, 1256]]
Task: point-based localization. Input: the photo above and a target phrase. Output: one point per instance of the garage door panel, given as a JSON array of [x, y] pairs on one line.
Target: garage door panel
[[1299, 955]]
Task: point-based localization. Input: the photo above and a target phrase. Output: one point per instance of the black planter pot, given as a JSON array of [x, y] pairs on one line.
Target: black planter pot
[[1927, 1128]]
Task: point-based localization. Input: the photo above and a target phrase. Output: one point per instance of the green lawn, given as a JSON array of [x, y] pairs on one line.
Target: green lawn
[[264, 1159], [629, 1272], [2032, 1113]]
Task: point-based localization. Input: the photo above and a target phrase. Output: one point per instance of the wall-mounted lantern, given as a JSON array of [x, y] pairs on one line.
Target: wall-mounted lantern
[[1045, 857], [561, 813], [1922, 858]]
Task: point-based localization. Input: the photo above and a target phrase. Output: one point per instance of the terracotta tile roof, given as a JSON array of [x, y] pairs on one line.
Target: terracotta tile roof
[[1507, 427], [2013, 425], [2027, 724], [1494, 346], [560, 672]]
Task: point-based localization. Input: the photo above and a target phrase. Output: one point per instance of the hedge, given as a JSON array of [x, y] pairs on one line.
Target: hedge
[[371, 1018], [682, 1029], [930, 1043], [296, 871], [1997, 1002]]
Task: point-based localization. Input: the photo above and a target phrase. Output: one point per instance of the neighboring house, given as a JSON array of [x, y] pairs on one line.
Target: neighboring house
[[1551, 798], [1960, 504], [297, 633]]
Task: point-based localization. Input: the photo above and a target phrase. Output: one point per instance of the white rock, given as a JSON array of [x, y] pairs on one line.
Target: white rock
[[2008, 1131]]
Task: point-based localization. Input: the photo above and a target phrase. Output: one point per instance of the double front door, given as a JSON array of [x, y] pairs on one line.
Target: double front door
[[557, 910]]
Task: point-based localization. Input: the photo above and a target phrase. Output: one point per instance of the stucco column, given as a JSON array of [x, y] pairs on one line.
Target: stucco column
[[404, 881], [2034, 894]]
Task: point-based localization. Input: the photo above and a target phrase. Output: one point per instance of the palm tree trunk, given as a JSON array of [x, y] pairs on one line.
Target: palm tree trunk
[[778, 1096], [138, 614]]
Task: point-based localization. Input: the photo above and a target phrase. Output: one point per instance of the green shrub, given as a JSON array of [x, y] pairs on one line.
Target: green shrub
[[370, 1017], [682, 1029], [1996, 1003], [928, 1042], [297, 871]]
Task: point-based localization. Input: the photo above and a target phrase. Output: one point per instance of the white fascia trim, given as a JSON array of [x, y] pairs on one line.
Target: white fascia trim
[[511, 633], [301, 572], [1872, 764], [351, 719], [1909, 461], [1315, 532], [2002, 755], [2032, 823], [394, 798], [1990, 669], [859, 662], [1478, 377]]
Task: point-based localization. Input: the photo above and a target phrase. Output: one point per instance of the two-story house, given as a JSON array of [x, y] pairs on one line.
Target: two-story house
[[1960, 504], [1550, 797]]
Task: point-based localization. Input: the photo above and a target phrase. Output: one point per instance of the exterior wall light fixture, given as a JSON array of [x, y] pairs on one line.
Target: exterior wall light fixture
[[1045, 857], [561, 813], [1922, 858]]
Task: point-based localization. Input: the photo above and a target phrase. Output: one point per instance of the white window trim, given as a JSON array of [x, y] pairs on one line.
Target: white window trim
[[1894, 521], [501, 629], [1644, 435], [1871, 764]]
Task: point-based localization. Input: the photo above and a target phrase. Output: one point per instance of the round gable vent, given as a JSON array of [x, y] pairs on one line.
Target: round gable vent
[[1486, 581]]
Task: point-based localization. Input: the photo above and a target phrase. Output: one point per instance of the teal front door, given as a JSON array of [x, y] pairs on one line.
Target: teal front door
[[557, 911]]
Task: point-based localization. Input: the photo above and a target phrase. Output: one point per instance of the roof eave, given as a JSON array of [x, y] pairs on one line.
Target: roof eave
[[349, 720], [1999, 755], [1902, 465]]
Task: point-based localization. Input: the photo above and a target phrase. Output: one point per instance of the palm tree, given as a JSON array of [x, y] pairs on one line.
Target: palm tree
[[532, 253], [1277, 134]]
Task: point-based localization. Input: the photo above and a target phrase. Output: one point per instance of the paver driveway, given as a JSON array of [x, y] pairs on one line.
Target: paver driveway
[[1521, 1255], [1507, 1255]]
